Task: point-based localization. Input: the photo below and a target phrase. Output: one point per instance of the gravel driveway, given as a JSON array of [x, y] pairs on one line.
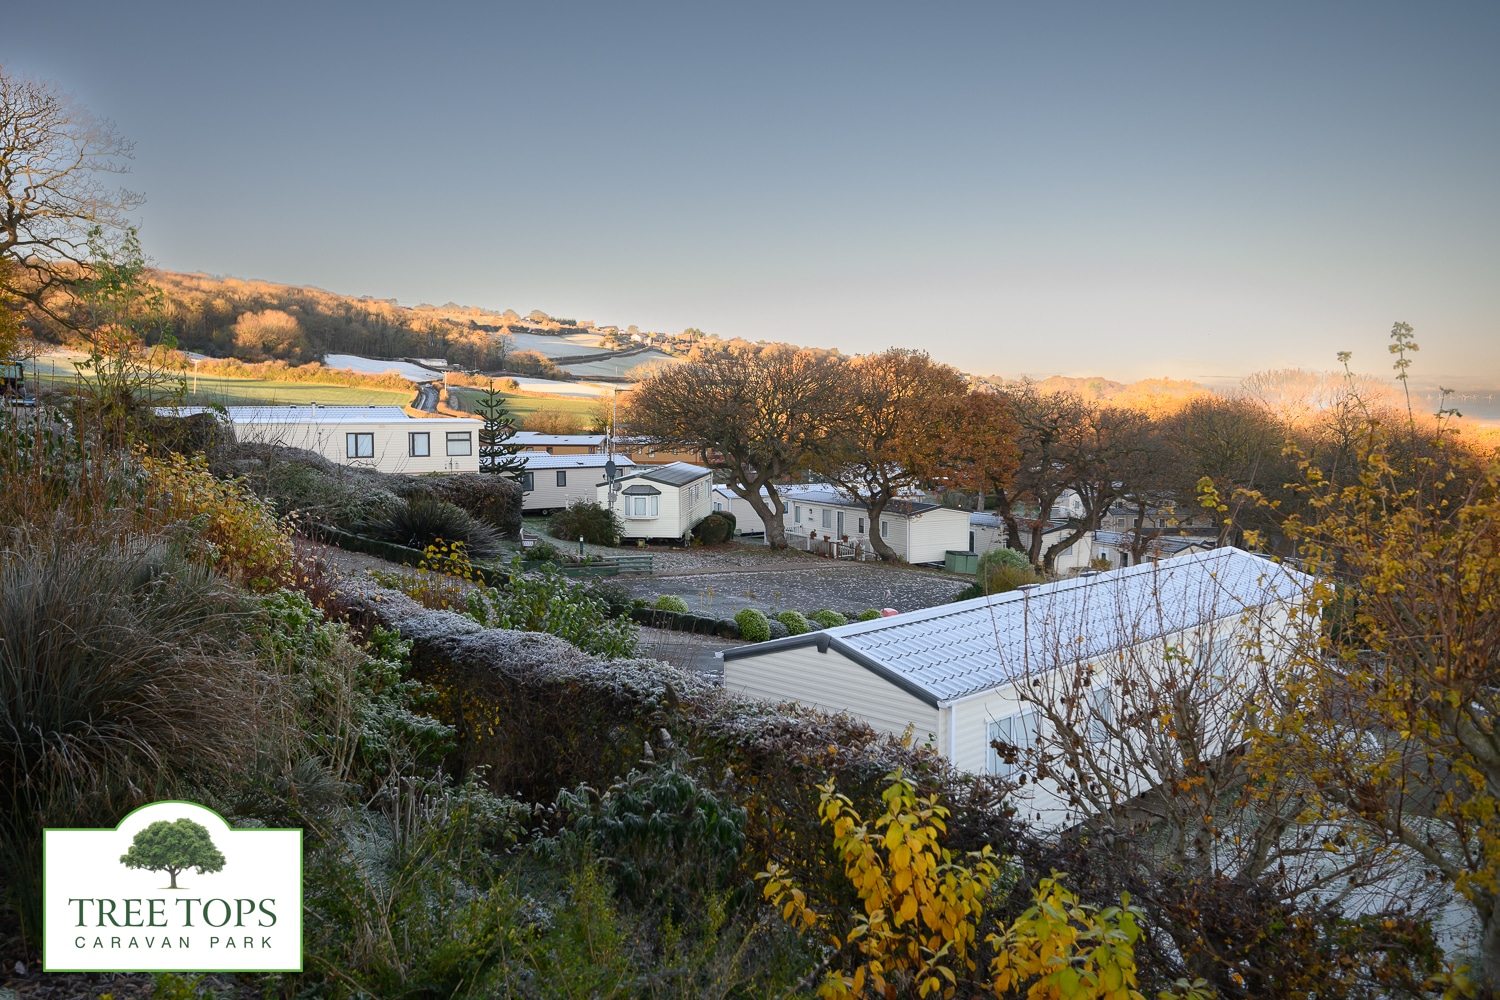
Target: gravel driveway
[[841, 586]]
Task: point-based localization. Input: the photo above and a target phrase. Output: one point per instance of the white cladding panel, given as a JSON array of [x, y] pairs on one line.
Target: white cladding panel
[[582, 484], [391, 442], [834, 683], [932, 533]]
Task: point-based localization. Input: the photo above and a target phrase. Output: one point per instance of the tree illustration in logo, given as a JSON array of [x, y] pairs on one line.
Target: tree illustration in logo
[[173, 847]]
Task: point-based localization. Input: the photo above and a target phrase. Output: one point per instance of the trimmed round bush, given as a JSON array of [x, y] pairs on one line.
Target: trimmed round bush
[[777, 630], [827, 619], [754, 626], [671, 602], [868, 615], [585, 519], [713, 529], [795, 622]]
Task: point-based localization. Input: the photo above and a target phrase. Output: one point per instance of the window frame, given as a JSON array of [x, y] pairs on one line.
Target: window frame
[[411, 444], [562, 477], [1020, 731], [466, 438], [354, 439]]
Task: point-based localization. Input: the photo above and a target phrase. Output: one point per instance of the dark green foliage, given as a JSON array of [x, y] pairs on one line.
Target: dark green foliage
[[753, 625], [827, 619], [714, 529], [660, 834], [419, 522], [867, 615], [544, 551], [494, 500], [616, 596], [497, 456], [586, 519]]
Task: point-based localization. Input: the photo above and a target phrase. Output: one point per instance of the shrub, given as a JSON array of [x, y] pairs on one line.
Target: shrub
[[776, 629], [868, 615], [795, 622], [828, 619], [308, 485], [420, 522], [115, 659], [713, 529], [494, 500], [544, 551], [753, 625], [1001, 571], [671, 602], [660, 833], [615, 595], [226, 525], [546, 601], [586, 519]]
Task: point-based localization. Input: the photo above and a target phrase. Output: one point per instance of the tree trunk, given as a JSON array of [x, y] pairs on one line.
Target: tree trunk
[[877, 543], [1489, 944], [770, 513]]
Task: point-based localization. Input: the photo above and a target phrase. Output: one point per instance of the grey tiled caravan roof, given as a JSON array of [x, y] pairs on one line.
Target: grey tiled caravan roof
[[949, 652], [674, 474]]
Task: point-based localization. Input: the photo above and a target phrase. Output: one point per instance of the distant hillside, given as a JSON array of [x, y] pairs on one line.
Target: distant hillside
[[259, 320]]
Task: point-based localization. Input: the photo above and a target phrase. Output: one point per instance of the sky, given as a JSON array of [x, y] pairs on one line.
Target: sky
[[1133, 190]]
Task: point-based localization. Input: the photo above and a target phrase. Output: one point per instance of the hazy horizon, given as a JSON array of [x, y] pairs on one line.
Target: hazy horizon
[[1168, 190]]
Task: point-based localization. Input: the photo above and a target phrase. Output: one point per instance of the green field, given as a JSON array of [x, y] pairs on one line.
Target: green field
[[247, 391], [244, 391], [519, 406]]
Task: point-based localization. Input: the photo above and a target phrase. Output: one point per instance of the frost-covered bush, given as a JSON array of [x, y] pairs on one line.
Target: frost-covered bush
[[777, 630], [671, 602]]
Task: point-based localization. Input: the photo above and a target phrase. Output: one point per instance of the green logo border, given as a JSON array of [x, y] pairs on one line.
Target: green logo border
[[301, 958]]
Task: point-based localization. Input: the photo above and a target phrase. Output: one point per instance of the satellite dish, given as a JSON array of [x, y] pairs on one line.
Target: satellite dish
[[609, 470]]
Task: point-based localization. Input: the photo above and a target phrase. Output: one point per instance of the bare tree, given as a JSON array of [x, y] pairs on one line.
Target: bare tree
[[1145, 748], [760, 413], [57, 164]]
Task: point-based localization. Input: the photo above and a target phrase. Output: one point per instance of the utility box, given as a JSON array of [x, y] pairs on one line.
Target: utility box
[[966, 563]]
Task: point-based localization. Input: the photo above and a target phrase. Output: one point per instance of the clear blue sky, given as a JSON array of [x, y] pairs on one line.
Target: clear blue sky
[[1125, 189]]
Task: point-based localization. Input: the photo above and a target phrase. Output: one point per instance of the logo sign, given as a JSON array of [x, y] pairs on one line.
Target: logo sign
[[173, 888]]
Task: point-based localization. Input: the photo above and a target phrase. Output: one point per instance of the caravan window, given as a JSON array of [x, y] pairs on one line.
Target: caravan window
[[562, 477], [528, 482], [419, 444], [359, 445], [827, 518], [1018, 731], [1101, 715], [641, 506], [885, 528], [460, 443], [797, 514]]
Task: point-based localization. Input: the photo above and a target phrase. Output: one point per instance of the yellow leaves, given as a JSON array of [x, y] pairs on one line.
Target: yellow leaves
[[922, 911]]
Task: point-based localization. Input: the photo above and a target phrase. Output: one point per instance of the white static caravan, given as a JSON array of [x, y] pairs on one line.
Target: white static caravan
[[951, 673], [746, 521], [919, 531], [386, 438], [662, 502], [552, 482]]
